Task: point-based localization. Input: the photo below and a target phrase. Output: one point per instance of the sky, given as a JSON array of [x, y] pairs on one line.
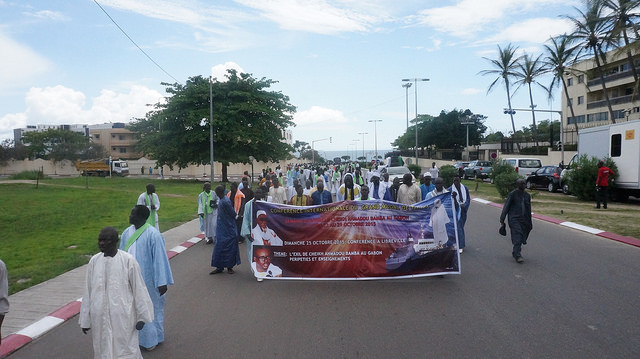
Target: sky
[[341, 62]]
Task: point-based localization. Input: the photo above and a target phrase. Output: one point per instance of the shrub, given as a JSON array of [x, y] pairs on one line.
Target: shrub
[[582, 176], [27, 175], [504, 177], [415, 170], [447, 172]]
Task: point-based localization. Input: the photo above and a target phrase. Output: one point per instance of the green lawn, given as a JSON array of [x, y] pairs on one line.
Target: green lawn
[[620, 218], [54, 228]]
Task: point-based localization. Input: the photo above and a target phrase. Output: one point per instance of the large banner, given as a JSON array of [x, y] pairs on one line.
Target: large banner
[[355, 240]]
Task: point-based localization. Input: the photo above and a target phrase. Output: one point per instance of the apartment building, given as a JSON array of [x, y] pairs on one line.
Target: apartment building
[[587, 96], [119, 142]]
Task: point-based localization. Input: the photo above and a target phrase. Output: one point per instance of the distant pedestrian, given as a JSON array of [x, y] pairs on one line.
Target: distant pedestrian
[[435, 172], [225, 251], [4, 295], [208, 212], [602, 184], [115, 303], [151, 200], [518, 207], [147, 245], [142, 170], [150, 170]]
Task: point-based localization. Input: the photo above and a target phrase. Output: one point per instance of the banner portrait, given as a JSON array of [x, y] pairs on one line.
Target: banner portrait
[[370, 239]]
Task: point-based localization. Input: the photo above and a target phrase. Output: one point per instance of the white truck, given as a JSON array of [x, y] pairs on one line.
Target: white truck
[[621, 142]]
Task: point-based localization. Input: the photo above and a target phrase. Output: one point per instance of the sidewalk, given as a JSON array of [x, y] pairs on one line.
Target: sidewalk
[[36, 310]]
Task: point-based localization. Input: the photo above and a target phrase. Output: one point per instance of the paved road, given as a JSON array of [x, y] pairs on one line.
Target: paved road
[[576, 296]]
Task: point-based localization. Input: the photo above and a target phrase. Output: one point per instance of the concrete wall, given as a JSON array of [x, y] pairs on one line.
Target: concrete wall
[[68, 168]]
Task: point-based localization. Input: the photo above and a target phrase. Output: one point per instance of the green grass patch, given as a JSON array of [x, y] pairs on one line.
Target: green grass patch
[[620, 218], [53, 229]]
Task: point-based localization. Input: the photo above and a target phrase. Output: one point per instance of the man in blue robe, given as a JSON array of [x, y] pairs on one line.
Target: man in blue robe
[[147, 245], [225, 251]]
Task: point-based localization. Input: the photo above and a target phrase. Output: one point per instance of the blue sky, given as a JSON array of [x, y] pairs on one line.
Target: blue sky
[[340, 61]]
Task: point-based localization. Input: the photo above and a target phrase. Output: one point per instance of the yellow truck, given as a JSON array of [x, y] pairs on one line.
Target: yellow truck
[[101, 167]]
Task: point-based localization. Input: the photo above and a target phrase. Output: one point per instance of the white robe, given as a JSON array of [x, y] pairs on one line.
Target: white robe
[[115, 299], [259, 237], [156, 202], [438, 223]]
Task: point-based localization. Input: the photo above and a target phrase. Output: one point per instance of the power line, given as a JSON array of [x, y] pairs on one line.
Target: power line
[[130, 39]]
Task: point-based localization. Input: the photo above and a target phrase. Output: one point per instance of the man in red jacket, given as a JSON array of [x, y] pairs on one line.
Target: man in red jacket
[[602, 184]]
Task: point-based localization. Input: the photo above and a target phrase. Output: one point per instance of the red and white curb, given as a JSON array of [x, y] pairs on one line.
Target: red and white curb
[[598, 232], [19, 339]]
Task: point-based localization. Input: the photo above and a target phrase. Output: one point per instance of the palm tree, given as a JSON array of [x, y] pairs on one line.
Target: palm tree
[[622, 19], [527, 71], [591, 29], [505, 67], [559, 58]]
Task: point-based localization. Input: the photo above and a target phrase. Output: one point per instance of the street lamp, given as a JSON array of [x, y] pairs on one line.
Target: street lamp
[[313, 152], [355, 149], [512, 111], [468, 122], [363, 133], [375, 135], [415, 81], [211, 124], [406, 86]]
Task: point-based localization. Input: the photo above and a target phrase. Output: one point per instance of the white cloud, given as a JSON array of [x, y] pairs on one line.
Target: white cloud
[[471, 91], [313, 16], [20, 65], [537, 31], [62, 105], [48, 15], [468, 17], [219, 72], [317, 115]]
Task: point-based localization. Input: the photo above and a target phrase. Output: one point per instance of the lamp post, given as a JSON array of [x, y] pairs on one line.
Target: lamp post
[[467, 122], [363, 133], [313, 152], [355, 149], [375, 135], [415, 81], [406, 86], [512, 111], [211, 124]]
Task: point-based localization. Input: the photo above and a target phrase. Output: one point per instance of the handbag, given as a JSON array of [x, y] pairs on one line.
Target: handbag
[[503, 230]]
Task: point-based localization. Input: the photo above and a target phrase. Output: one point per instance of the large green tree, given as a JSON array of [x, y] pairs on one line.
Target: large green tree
[[58, 145], [248, 120]]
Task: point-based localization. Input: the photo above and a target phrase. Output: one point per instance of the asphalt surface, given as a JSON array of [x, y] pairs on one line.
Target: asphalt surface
[[575, 296]]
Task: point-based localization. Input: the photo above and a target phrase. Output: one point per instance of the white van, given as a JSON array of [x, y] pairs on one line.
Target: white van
[[524, 166]]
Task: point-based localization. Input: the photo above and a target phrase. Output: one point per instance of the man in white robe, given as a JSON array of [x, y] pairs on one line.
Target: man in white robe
[[151, 200], [4, 295], [115, 303], [263, 235], [208, 212], [438, 222], [147, 245]]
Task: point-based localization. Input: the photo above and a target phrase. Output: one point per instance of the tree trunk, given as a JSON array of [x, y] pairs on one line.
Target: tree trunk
[[533, 114], [513, 125], [604, 87], [224, 173]]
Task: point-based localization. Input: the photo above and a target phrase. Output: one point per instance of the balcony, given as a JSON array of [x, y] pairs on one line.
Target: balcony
[[614, 101], [610, 77]]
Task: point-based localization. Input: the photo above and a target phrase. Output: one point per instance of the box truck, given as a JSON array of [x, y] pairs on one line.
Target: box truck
[[101, 167]]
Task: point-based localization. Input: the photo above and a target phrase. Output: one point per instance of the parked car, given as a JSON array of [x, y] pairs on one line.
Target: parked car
[[397, 171], [524, 166], [545, 177], [477, 169], [460, 167]]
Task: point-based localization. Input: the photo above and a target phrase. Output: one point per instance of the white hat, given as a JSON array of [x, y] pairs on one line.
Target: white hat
[[427, 174], [260, 213]]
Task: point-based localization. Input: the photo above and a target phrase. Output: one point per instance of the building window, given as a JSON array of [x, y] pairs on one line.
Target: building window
[[570, 81], [97, 136], [580, 79], [580, 100], [597, 117], [121, 137], [570, 102], [113, 136], [577, 119], [113, 149], [123, 150], [616, 145]]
